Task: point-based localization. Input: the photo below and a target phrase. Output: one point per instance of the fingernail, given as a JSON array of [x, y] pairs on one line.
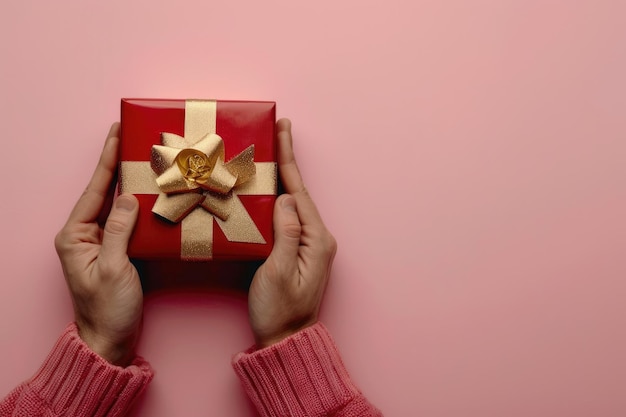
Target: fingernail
[[125, 203], [289, 203]]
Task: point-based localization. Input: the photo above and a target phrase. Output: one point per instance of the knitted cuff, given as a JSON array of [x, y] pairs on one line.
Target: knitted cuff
[[75, 378], [303, 375]]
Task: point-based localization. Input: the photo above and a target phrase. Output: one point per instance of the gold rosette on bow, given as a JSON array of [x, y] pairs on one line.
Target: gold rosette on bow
[[196, 186]]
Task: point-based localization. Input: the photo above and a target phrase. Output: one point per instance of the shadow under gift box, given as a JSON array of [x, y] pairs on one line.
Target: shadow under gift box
[[240, 124]]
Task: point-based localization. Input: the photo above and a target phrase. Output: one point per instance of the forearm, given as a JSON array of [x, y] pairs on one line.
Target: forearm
[[76, 381], [302, 375]]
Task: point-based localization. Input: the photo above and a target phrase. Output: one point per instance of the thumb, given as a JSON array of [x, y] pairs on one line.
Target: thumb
[[287, 231], [119, 227]]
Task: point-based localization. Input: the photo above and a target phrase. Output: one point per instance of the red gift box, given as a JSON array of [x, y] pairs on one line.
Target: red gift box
[[205, 175]]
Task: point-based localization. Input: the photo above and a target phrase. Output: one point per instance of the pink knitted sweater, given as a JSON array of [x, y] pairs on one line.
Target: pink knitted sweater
[[301, 376]]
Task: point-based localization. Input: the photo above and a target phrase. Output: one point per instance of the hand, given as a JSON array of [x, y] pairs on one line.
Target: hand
[[287, 290], [104, 285]]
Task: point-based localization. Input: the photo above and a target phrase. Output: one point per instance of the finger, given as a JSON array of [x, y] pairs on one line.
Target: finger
[[287, 231], [118, 229], [108, 201], [90, 204], [290, 175]]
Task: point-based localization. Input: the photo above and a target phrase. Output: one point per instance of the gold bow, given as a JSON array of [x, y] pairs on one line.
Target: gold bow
[[196, 186], [198, 169]]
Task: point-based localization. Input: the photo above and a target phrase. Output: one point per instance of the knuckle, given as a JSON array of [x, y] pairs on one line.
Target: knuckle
[[332, 244], [329, 244], [115, 225], [60, 240], [292, 230], [303, 191], [326, 243]]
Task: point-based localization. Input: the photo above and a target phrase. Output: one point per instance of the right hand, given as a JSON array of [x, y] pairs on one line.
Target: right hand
[[287, 290]]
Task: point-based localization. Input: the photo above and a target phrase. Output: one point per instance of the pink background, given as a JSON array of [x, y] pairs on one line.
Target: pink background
[[468, 156]]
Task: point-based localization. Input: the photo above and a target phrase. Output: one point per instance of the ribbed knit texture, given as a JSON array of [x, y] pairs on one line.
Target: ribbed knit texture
[[301, 376], [75, 381]]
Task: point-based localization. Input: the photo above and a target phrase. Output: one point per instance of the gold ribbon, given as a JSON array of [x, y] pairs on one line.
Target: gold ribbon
[[195, 186]]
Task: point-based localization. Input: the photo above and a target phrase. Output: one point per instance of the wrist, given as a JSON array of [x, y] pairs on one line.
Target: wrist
[[118, 354], [278, 336], [262, 343]]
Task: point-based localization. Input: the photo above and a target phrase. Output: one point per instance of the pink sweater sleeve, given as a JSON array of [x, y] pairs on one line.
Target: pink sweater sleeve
[[300, 376], [74, 381]]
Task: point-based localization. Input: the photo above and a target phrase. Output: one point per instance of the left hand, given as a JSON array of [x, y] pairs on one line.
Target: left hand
[[104, 285]]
